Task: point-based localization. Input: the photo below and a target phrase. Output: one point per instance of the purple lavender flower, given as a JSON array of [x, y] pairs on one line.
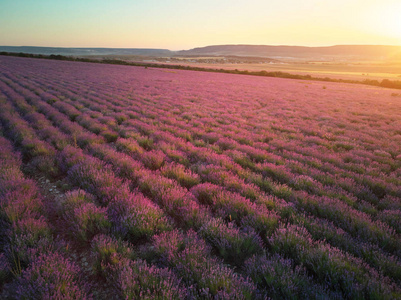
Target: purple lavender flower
[[51, 276]]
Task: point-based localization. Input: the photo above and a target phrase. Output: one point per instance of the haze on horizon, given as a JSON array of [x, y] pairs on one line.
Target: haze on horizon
[[182, 24]]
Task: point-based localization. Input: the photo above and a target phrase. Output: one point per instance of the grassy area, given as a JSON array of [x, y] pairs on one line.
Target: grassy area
[[387, 83]]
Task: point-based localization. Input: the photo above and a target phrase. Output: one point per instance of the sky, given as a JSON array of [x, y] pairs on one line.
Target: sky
[[185, 24]]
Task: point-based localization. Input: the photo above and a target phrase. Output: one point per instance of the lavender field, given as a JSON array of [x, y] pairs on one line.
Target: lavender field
[[121, 182]]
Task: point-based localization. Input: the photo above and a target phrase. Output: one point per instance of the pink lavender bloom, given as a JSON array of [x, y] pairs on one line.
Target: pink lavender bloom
[[173, 154], [232, 244], [138, 280], [108, 251], [340, 270], [282, 278], [67, 109], [391, 217], [233, 207], [136, 217], [190, 257], [27, 239], [32, 229], [304, 182], [227, 143], [20, 201], [124, 165], [109, 121], [178, 172], [10, 163], [69, 157], [276, 172], [120, 117], [84, 139], [205, 192], [109, 135], [153, 160], [91, 124], [390, 202], [93, 176], [87, 220], [231, 187], [175, 200], [129, 146], [51, 276]]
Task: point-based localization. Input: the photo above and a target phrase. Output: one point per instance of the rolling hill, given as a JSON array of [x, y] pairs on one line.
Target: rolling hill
[[364, 52]]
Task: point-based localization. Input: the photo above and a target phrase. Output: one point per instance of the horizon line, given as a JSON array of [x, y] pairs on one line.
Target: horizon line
[[149, 48]]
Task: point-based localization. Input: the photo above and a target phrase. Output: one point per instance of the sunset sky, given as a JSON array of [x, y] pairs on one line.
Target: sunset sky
[[183, 24]]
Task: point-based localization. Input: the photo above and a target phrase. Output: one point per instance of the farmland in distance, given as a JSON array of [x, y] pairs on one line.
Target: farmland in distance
[[131, 182]]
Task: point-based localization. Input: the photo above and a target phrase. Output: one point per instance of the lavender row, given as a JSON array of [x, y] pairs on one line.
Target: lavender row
[[29, 253], [264, 225], [144, 121], [81, 180], [87, 219]]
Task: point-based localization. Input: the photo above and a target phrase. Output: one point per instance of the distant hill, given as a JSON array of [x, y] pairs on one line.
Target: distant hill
[[365, 52], [283, 53], [86, 51]]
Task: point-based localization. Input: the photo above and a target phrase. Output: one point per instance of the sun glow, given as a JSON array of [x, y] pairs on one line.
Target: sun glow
[[392, 22], [388, 21]]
